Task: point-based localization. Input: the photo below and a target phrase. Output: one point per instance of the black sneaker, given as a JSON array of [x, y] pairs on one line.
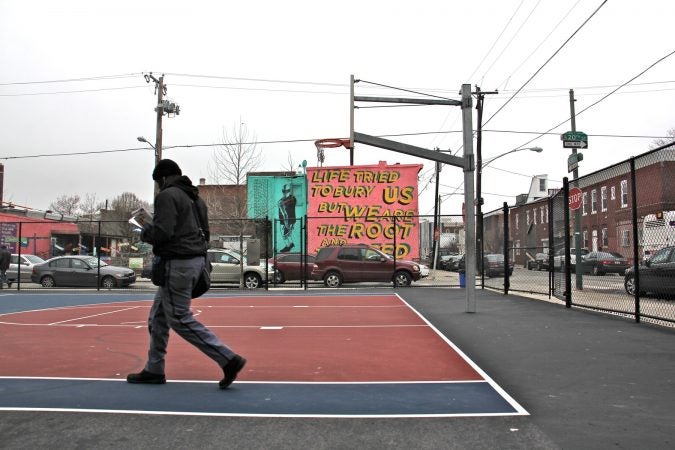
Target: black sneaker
[[145, 377], [230, 370]]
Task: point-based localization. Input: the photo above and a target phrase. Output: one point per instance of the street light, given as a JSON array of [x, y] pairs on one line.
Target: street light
[[158, 156], [532, 149], [142, 139], [479, 197]]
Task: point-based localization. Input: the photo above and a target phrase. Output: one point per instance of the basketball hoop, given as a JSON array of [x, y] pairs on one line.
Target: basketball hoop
[[323, 144]]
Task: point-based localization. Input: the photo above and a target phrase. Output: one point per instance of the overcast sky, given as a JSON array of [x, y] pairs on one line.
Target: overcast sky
[[281, 71]]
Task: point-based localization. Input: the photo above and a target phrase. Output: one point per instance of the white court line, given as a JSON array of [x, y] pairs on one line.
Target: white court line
[[495, 386], [94, 315]]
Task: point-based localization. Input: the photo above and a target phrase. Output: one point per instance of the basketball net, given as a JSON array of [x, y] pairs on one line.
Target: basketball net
[[323, 144]]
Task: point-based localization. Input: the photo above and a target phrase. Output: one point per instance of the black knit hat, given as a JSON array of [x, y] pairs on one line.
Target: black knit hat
[[164, 168]]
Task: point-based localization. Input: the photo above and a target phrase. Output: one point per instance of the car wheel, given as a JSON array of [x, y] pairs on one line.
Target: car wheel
[[47, 281], [332, 279], [629, 284], [402, 278], [252, 280], [108, 283], [279, 277]]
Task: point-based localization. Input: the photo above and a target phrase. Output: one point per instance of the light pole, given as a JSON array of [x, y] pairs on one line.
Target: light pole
[[479, 197], [158, 156], [532, 149]]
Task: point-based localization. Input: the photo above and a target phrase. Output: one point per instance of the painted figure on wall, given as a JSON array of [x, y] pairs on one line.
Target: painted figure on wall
[[287, 217]]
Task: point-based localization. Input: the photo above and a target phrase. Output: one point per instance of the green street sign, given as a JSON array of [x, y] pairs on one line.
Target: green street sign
[[574, 136]]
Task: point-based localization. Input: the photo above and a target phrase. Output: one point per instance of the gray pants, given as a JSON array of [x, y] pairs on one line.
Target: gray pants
[[171, 310]]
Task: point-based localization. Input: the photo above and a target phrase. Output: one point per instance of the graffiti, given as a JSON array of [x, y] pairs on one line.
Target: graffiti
[[374, 205]]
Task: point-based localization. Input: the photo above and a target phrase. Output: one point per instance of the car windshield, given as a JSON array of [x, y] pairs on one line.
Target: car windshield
[[93, 262], [34, 259]]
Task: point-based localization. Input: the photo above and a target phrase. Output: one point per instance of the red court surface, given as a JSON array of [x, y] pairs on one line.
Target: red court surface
[[365, 338], [308, 356]]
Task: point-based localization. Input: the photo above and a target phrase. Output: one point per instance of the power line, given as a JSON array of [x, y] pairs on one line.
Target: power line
[[291, 141], [69, 80], [547, 61], [26, 94]]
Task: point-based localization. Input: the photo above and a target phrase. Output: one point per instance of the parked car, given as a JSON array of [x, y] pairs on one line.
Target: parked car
[[600, 263], [493, 265], [227, 269], [288, 266], [540, 262], [355, 263], [81, 271], [26, 261], [455, 263], [657, 275], [559, 259]]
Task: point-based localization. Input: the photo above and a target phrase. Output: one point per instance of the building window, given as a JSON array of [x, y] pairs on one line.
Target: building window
[[527, 218], [547, 214], [534, 216], [517, 247], [542, 184], [625, 238], [613, 192], [517, 221], [585, 238], [605, 238], [624, 193], [584, 202], [541, 212], [603, 198], [594, 201]]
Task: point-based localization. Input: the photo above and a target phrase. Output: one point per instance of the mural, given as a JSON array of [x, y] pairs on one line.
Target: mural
[[358, 204], [282, 201]]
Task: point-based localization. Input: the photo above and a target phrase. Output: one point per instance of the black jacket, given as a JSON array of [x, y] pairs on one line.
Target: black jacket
[[174, 232], [5, 257]]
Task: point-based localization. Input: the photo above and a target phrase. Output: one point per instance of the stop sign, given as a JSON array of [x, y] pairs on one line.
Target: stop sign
[[575, 197]]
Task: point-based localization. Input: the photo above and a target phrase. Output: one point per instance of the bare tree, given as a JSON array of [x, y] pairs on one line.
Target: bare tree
[[237, 155], [663, 141], [68, 205], [290, 165], [89, 205]]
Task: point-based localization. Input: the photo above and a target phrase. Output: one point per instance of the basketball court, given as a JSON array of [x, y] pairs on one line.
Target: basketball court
[[332, 355]]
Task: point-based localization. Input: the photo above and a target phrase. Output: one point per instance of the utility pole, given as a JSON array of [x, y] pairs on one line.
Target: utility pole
[[480, 97], [577, 213], [437, 233], [163, 107]]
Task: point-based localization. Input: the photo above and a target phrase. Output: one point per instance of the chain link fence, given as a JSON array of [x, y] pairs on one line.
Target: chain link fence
[[608, 239]]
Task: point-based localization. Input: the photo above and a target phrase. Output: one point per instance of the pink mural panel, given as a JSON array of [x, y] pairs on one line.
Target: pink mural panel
[[357, 204]]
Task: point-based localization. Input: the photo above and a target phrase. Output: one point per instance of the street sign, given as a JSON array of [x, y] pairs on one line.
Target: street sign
[[575, 198], [574, 136], [574, 139], [575, 144], [573, 161]]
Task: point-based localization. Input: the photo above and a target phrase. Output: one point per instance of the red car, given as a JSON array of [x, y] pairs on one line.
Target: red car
[[355, 263], [288, 266]]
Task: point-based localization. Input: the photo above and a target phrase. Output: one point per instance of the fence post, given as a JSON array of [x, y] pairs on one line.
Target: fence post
[[550, 246], [507, 261], [636, 261], [98, 255], [18, 261], [568, 269]]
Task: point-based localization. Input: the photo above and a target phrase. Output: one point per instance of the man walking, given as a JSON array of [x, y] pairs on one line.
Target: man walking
[[180, 244], [5, 257]]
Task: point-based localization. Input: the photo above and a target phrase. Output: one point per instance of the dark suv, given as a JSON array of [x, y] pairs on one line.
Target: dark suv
[[354, 263]]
